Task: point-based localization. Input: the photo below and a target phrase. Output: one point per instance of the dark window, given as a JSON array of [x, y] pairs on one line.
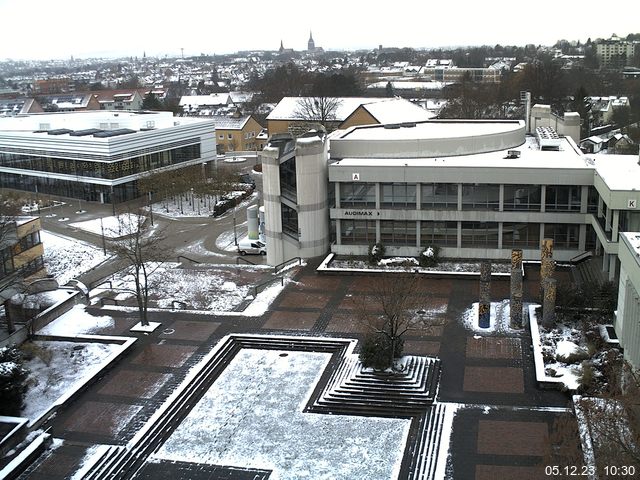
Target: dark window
[[564, 236], [439, 196], [441, 234], [562, 198], [358, 195], [480, 234], [522, 197], [288, 184], [520, 235], [289, 220], [398, 233], [480, 197], [358, 232], [398, 195]]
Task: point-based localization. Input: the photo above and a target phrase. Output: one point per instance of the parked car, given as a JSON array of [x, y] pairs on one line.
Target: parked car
[[255, 247]]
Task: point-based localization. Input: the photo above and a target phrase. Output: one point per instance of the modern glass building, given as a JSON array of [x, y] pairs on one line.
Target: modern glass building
[[99, 155]]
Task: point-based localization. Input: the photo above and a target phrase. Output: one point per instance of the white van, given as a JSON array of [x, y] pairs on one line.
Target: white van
[[255, 247]]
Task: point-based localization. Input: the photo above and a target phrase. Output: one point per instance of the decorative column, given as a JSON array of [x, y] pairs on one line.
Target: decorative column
[[549, 303], [484, 306], [546, 269], [516, 289]]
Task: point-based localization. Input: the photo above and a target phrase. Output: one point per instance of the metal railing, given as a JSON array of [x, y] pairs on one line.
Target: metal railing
[[187, 258], [281, 266], [258, 288]]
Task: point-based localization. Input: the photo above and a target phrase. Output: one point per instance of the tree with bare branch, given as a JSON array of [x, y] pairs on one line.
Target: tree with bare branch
[[388, 311], [604, 430], [137, 246], [322, 110]]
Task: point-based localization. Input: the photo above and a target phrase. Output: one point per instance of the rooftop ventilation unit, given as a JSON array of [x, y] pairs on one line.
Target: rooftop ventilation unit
[[408, 124], [59, 131], [391, 126], [548, 138], [113, 133], [513, 154]]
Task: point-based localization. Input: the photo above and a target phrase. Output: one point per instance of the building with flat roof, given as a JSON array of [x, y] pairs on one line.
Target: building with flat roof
[[477, 189], [100, 155]]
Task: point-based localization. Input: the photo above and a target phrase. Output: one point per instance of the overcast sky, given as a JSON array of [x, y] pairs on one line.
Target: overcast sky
[[42, 29]]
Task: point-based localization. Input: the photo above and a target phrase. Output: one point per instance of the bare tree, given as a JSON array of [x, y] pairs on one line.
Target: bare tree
[[389, 310], [322, 110], [136, 246]]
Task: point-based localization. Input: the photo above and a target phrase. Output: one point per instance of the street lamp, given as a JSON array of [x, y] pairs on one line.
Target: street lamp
[[150, 209]]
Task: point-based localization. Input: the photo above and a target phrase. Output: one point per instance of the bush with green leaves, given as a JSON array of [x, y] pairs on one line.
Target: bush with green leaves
[[430, 256], [376, 253], [13, 376], [377, 353]]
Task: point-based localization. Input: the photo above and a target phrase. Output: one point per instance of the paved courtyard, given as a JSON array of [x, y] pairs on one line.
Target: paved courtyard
[[500, 429]]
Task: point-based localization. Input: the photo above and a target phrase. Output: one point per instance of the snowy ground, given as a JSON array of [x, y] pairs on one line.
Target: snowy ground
[[218, 288], [56, 367], [67, 258], [499, 321], [76, 322], [173, 208], [558, 345], [114, 226], [252, 417]]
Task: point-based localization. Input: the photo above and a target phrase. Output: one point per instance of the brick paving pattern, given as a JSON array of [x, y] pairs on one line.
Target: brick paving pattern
[[494, 347], [164, 355], [493, 379], [494, 370], [135, 383], [512, 438], [101, 418]]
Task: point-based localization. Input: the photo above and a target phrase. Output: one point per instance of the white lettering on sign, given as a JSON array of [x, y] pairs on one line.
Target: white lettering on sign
[[355, 177], [632, 203]]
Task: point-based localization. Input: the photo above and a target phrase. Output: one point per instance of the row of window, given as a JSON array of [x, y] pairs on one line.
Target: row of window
[[26, 242], [107, 170], [474, 196], [445, 234]]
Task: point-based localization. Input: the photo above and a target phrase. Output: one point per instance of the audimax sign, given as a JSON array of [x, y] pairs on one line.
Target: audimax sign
[[361, 213]]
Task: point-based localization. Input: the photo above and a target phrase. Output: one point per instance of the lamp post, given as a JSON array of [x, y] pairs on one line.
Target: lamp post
[[104, 243], [150, 209]]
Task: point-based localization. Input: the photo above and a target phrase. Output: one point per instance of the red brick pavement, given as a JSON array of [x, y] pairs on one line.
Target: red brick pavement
[[493, 379], [512, 438]]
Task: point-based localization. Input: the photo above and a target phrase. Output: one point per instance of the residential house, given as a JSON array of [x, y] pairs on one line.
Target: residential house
[[121, 99], [18, 106], [237, 133], [69, 102], [289, 115]]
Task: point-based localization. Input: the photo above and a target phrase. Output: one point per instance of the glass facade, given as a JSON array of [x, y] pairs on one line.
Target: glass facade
[[562, 198], [398, 232], [520, 235], [564, 236], [480, 234], [442, 234], [288, 183], [398, 195], [439, 196], [357, 195], [96, 169], [358, 232], [480, 197], [289, 220], [522, 197]]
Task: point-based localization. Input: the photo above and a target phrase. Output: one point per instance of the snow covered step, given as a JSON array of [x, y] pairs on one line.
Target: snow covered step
[[427, 446]]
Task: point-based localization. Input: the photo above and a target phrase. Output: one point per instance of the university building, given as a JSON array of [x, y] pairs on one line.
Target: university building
[[477, 189], [98, 156]]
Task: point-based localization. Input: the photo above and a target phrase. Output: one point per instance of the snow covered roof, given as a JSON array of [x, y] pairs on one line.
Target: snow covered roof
[[619, 172], [224, 122], [206, 100], [397, 110], [288, 108]]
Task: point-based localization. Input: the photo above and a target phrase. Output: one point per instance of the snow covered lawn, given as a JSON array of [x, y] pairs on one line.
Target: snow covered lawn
[[67, 258], [207, 289], [56, 367], [252, 417], [76, 322], [114, 226]]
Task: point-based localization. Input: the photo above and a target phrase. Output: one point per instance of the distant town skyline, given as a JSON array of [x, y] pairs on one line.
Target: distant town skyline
[[59, 30]]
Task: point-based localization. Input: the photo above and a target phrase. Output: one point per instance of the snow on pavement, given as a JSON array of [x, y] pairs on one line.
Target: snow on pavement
[[252, 418]]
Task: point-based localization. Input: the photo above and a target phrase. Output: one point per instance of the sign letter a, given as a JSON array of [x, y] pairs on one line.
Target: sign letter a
[[355, 176]]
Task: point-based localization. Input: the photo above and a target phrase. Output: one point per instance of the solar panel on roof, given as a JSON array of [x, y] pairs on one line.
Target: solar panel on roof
[[113, 133], [83, 133]]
